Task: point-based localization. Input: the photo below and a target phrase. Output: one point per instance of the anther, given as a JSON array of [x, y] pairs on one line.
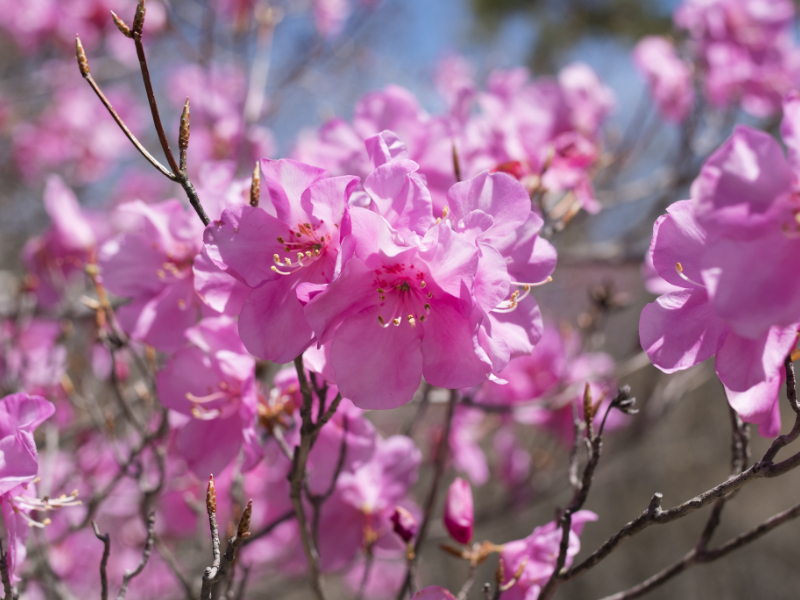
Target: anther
[[276, 258], [422, 284], [411, 321], [280, 240], [396, 321]]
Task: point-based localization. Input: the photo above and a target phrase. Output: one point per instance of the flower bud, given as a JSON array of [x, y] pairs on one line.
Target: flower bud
[[458, 515], [405, 525]]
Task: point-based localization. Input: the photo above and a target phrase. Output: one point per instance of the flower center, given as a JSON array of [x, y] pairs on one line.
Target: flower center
[[402, 295], [301, 248]]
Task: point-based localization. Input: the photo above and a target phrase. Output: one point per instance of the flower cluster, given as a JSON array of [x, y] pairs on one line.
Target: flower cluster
[[728, 300]]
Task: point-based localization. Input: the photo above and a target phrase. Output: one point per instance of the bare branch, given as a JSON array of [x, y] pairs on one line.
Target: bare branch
[[439, 464], [8, 591], [106, 539], [148, 548]]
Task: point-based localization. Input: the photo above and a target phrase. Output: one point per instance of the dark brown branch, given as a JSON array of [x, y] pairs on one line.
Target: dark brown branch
[[791, 386], [148, 548], [267, 529], [84, 68], [695, 556], [8, 591], [106, 539], [138, 30], [764, 468], [297, 477], [439, 464]]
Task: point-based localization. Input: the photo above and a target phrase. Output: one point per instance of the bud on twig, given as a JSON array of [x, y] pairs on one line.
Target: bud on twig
[[243, 531], [405, 525], [183, 136], [255, 187], [138, 20], [83, 62], [121, 25], [211, 496]]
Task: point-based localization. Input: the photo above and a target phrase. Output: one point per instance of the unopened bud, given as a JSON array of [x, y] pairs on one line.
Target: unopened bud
[[138, 20], [211, 496], [458, 512], [183, 136], [244, 523], [83, 62], [121, 25], [405, 525], [588, 409], [255, 187]]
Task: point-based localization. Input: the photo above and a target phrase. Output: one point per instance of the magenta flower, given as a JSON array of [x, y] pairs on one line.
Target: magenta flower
[[458, 511], [683, 328], [746, 49], [405, 525], [20, 415], [540, 551], [274, 248], [152, 265], [494, 212], [360, 511], [397, 313], [668, 77], [213, 382], [61, 253]]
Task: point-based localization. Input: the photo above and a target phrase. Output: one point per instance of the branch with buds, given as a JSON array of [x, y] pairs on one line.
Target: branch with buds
[[176, 172]]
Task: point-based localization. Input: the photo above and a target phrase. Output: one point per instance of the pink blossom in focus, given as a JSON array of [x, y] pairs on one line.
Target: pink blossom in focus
[[289, 240], [396, 313]]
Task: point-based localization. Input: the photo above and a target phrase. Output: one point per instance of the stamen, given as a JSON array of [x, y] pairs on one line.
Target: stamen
[[204, 399], [287, 261], [422, 284], [276, 258], [427, 307], [396, 321], [381, 291], [280, 240], [411, 321], [679, 270]]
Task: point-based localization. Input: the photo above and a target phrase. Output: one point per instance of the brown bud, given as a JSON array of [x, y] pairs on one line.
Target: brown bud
[[83, 62], [138, 20], [183, 136], [211, 496], [244, 523], [588, 407], [255, 187], [121, 25]]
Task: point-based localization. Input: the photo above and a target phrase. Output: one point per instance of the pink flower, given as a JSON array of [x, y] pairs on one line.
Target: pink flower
[[213, 381], [683, 328], [276, 247], [397, 313], [669, 78], [540, 551], [494, 212], [152, 265], [746, 50], [330, 16], [405, 525], [458, 511], [63, 251], [33, 359], [20, 415]]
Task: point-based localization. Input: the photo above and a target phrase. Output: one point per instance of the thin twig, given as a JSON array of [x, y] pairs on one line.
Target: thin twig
[[106, 539], [365, 577], [148, 548], [317, 500], [173, 565], [439, 463], [8, 591], [297, 477], [267, 529], [695, 556], [84, 68]]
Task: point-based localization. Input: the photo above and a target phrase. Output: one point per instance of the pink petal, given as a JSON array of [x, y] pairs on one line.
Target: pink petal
[[680, 330]]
